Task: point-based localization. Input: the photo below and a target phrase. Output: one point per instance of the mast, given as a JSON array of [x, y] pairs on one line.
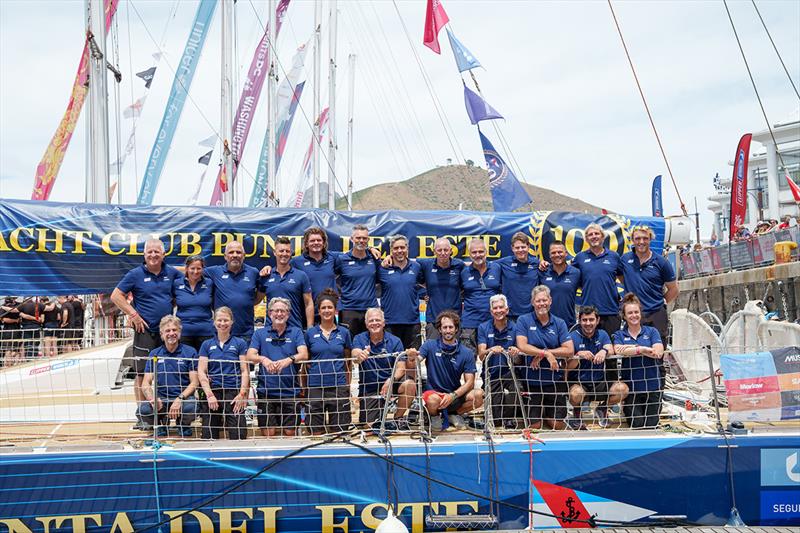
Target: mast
[[98, 182], [316, 68], [226, 92], [272, 107], [332, 108], [351, 89]]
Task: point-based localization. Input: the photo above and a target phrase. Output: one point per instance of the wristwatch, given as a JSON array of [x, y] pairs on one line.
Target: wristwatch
[[181, 397], [293, 358]]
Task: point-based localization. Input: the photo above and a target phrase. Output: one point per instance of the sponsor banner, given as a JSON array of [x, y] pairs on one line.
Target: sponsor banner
[[780, 467], [763, 386], [739, 185], [766, 244], [780, 507], [707, 265], [55, 248]]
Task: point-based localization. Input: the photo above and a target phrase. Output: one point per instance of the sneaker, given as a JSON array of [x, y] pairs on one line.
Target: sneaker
[[161, 431], [510, 424], [187, 432], [474, 423], [401, 424], [576, 424], [457, 421], [141, 426], [601, 416], [436, 423]]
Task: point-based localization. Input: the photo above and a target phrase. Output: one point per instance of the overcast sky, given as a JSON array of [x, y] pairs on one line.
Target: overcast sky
[[574, 121]]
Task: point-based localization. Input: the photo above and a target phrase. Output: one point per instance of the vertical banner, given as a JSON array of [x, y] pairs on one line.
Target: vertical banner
[[305, 180], [739, 185], [507, 193], [655, 197], [177, 99], [48, 167]]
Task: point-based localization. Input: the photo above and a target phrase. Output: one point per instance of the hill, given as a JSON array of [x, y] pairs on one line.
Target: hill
[[446, 187]]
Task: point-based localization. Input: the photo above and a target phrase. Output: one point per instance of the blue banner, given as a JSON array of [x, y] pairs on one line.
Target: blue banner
[[176, 101], [655, 197], [507, 193], [464, 58], [58, 248]]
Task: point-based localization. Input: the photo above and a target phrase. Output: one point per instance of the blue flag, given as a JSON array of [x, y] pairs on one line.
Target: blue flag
[[507, 193], [464, 58], [655, 197], [177, 99], [477, 108]]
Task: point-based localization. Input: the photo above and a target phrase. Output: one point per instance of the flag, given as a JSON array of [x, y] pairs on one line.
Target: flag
[[435, 18], [209, 142], [147, 75], [135, 109], [205, 158], [477, 108], [792, 186], [739, 185], [655, 197], [507, 193], [464, 58]]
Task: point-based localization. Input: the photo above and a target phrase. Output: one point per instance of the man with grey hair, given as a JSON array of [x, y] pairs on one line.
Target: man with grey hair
[[150, 284], [399, 295], [172, 368], [357, 274], [479, 282], [442, 280]]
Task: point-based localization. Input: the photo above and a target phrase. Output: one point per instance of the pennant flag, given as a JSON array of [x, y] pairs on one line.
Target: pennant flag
[[655, 197], [209, 142], [177, 100], [507, 193], [739, 185], [477, 108], [149, 74], [248, 101], [306, 178], [435, 18], [464, 58], [50, 164], [135, 109], [792, 186], [205, 158]]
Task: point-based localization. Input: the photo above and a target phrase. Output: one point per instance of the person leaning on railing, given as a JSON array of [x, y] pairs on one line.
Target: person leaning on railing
[[495, 340], [641, 349], [225, 377], [173, 369]]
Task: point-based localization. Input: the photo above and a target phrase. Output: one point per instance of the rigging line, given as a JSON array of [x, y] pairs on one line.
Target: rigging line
[[647, 108], [786, 70], [117, 103], [436, 103], [133, 99], [755, 89]]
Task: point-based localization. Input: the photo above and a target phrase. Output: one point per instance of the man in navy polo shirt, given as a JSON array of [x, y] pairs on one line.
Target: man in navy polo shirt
[[587, 374], [236, 285], [543, 340], [479, 282], [277, 348], [316, 261], [172, 367], [651, 278], [520, 275], [442, 279], [357, 271], [372, 349], [151, 287], [448, 362], [399, 297], [563, 281], [285, 281]]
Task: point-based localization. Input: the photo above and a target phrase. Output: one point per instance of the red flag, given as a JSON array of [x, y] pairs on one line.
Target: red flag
[[435, 19], [793, 187], [739, 184]]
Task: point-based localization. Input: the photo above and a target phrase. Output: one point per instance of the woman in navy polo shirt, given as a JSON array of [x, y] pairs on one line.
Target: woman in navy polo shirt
[[225, 377], [329, 368], [194, 297], [641, 349]]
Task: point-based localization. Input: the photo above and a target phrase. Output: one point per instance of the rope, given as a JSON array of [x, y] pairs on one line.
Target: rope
[[647, 108], [791, 81]]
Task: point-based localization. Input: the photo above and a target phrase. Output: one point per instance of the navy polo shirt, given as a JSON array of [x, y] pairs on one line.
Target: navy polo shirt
[[276, 347], [477, 291], [292, 285], [357, 281], [223, 362], [172, 370], [489, 335], [647, 280], [446, 364], [194, 306], [320, 273], [588, 372], [237, 291], [546, 337], [563, 288], [519, 279], [598, 280], [641, 373], [152, 293], [442, 285], [327, 367], [399, 296], [373, 372]]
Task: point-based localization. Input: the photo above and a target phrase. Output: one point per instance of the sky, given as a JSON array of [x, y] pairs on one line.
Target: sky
[[574, 119]]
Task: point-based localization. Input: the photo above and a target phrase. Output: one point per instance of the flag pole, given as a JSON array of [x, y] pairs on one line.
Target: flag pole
[[350, 99], [316, 69], [332, 107], [226, 89]]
